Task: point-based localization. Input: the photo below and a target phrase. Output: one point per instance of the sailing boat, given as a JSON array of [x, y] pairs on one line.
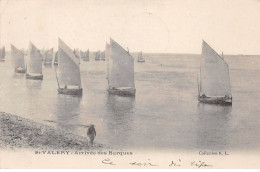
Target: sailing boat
[[87, 55], [84, 55], [102, 56], [18, 59], [97, 55], [77, 53], [68, 76], [120, 70], [55, 59], [140, 57], [48, 57], [34, 63], [42, 51], [2, 54], [214, 83]]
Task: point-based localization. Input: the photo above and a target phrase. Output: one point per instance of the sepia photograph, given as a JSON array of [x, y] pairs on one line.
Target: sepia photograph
[[168, 84]]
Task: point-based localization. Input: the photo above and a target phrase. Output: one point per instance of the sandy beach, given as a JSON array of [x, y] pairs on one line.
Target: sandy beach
[[18, 132]]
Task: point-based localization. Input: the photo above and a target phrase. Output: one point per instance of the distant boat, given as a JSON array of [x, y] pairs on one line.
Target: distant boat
[[87, 55], [213, 82], [140, 57], [2, 54], [42, 51], [120, 72], [48, 57], [55, 59], [97, 55], [68, 76], [18, 56], [84, 55], [102, 56], [34, 63], [77, 53]]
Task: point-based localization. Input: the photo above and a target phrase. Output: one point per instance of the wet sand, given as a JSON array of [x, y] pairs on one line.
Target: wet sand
[[18, 132]]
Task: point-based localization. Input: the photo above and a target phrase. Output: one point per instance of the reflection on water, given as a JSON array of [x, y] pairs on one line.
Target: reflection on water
[[213, 126], [18, 75], [33, 85], [67, 112], [118, 119], [164, 113], [47, 66]]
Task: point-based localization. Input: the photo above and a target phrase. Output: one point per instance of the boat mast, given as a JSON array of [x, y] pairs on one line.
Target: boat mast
[[199, 79], [198, 84], [229, 81], [57, 78]]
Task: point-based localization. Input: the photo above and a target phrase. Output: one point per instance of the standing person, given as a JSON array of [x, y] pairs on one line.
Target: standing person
[[91, 133]]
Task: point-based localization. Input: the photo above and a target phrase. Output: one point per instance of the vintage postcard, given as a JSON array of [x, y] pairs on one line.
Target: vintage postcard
[[168, 84]]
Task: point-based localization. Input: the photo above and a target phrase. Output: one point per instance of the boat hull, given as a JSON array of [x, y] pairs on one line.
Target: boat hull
[[123, 92], [34, 77], [2, 60], [47, 63], [140, 60], [19, 70], [67, 91], [216, 100]]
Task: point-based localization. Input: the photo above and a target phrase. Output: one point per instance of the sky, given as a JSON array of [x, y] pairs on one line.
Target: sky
[[155, 26]]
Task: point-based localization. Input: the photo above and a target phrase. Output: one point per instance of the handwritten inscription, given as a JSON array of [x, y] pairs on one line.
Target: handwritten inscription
[[200, 164], [148, 163], [176, 164], [108, 162], [145, 164]]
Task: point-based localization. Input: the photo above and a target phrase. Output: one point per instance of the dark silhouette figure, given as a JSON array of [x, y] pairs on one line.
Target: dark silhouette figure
[[91, 133]]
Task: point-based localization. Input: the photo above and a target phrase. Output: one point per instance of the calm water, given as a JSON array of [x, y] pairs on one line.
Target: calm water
[[164, 113]]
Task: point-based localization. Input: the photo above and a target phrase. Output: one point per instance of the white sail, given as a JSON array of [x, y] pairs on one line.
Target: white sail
[[121, 67], [48, 56], [34, 61], [68, 68], [214, 73], [18, 57], [97, 55], [2, 53], [102, 55]]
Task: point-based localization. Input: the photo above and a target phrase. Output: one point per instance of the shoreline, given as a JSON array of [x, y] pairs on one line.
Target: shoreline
[[18, 132]]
